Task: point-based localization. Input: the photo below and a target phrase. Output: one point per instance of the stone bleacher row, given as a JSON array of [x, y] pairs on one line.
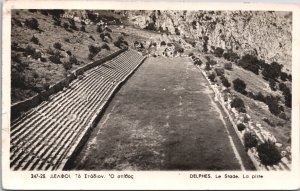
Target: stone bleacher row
[[42, 138]]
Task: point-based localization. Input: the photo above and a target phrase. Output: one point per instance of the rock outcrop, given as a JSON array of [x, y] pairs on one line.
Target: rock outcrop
[[266, 34]]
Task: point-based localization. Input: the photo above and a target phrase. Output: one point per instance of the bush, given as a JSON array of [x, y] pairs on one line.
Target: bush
[[250, 140], [272, 71], [283, 76], [67, 65], [268, 153], [34, 39], [32, 23], [207, 67], [219, 71], [249, 62], [273, 105], [73, 60], [212, 77], [66, 26], [163, 43], [37, 55], [239, 86], [69, 52], [191, 54], [50, 51], [105, 46], [43, 59], [198, 62], [82, 28], [231, 56], [259, 97], [94, 49], [218, 52], [211, 62], [241, 126], [55, 59], [29, 50], [237, 103], [272, 84], [228, 66], [121, 43], [57, 21], [72, 24], [57, 46], [225, 82], [99, 29]]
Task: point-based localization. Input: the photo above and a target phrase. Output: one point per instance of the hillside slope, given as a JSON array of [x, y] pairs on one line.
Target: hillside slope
[[267, 35]]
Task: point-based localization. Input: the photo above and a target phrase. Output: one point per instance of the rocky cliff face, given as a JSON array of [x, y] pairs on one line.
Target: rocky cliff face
[[267, 35]]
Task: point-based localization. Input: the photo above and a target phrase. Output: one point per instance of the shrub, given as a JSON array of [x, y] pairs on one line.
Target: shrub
[[69, 52], [249, 62], [272, 84], [163, 43], [218, 52], [91, 56], [67, 65], [50, 51], [32, 23], [268, 153], [205, 38], [66, 26], [260, 97], [250, 140], [228, 66], [283, 76], [237, 103], [272, 71], [94, 49], [105, 46], [212, 77], [121, 43], [231, 56], [44, 12], [43, 59], [57, 45], [207, 67], [99, 29], [82, 28], [191, 54], [273, 105], [57, 21], [34, 39], [72, 24], [91, 37], [55, 58], [239, 86], [219, 71], [108, 29], [36, 55], [29, 50], [73, 60], [211, 62], [241, 126], [225, 82], [198, 62]]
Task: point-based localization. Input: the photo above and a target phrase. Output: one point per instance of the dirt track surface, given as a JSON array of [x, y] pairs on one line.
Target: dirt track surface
[[163, 118]]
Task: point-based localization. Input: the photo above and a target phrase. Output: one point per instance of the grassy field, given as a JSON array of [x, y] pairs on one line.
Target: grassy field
[[163, 118]]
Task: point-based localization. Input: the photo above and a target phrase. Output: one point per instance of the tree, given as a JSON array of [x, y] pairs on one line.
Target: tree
[[272, 71], [239, 86]]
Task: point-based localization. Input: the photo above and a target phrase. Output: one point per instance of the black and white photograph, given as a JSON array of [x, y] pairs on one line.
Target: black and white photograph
[[143, 90]]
